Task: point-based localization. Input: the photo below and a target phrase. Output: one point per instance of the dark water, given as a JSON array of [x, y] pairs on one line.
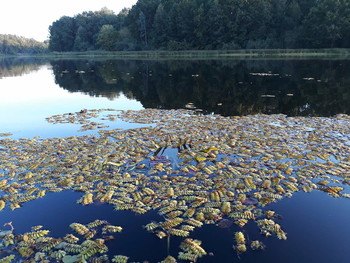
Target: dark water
[[226, 87], [292, 87], [317, 225]]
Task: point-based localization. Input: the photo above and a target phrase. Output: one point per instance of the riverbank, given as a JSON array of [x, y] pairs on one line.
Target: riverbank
[[203, 54]]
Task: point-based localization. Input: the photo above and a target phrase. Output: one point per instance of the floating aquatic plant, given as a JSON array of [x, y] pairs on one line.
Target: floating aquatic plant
[[221, 169], [37, 245]]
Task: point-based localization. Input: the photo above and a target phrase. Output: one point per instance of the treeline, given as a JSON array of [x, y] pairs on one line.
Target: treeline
[[207, 24], [12, 44], [88, 31]]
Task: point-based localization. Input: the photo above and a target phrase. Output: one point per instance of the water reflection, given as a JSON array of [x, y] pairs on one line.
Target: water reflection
[[317, 225], [11, 67], [233, 87], [227, 87]]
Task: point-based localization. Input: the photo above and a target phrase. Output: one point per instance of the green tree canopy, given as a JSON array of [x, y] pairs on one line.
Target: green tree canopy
[[208, 24], [107, 37], [12, 44], [328, 24]]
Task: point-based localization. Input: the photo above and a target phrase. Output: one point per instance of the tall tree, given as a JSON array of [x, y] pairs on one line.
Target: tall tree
[[141, 21], [161, 30], [148, 8], [62, 34], [80, 41], [327, 24], [107, 38]]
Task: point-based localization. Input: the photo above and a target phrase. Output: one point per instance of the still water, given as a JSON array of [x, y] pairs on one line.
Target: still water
[[31, 90]]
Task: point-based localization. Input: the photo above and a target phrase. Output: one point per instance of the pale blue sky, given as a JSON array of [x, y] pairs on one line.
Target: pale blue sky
[[31, 18]]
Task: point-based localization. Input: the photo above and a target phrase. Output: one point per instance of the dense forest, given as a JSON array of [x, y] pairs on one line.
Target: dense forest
[[207, 24], [12, 44]]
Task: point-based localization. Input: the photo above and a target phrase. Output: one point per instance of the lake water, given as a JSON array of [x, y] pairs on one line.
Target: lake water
[[33, 89], [30, 92]]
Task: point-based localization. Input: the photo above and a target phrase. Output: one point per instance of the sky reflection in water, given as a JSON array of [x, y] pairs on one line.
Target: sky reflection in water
[[27, 100]]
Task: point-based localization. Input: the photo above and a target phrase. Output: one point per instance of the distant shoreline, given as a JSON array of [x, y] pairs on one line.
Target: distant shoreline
[[200, 54]]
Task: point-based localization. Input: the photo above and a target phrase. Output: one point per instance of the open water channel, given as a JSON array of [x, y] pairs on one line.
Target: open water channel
[[317, 225]]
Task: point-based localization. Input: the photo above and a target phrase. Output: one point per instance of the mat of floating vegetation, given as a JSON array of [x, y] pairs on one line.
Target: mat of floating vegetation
[[191, 169]]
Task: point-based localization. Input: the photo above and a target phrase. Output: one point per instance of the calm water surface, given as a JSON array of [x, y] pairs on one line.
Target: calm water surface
[[33, 90], [317, 225]]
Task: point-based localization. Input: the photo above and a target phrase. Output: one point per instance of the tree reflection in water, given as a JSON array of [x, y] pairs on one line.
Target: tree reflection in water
[[227, 87], [17, 66]]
